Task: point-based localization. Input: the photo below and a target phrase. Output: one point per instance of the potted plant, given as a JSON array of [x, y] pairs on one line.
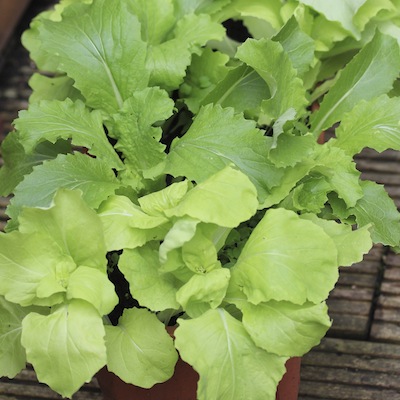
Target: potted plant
[[167, 173]]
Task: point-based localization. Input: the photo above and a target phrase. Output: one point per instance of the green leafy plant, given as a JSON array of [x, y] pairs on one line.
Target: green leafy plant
[[167, 171]]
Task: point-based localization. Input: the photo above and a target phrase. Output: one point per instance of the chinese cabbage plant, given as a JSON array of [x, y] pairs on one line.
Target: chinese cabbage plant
[[167, 171]]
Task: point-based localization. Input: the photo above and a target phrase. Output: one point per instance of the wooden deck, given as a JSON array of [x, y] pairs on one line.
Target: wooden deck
[[360, 358]]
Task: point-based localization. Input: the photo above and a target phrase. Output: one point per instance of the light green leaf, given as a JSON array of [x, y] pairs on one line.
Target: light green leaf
[[242, 88], [93, 286], [32, 269], [127, 226], [340, 171], [181, 232], [203, 292], [36, 262], [298, 45], [287, 90], [139, 349], [168, 60], [343, 12], [12, 354], [107, 64], [207, 201], [370, 74], [17, 163], [210, 7], [202, 76], [370, 10], [351, 244], [291, 149], [284, 328], [52, 88], [74, 171], [230, 365], [292, 175], [137, 138], [218, 138], [157, 203], [67, 232], [148, 285], [199, 253], [156, 18], [378, 209], [373, 124], [72, 334], [268, 11], [300, 268], [53, 120]]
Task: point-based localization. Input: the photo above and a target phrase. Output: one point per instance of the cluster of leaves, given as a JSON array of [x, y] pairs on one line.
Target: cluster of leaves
[[202, 171]]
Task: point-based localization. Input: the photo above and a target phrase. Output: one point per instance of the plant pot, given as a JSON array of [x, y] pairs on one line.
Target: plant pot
[[183, 385]]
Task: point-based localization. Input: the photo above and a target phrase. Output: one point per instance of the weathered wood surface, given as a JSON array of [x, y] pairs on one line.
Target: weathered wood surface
[[25, 386], [386, 321], [351, 370]]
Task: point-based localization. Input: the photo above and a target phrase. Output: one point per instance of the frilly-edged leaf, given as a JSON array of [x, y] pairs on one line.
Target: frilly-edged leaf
[[343, 12], [12, 353], [52, 88], [53, 120], [218, 138], [230, 365], [378, 209], [298, 45], [340, 172], [290, 330], [208, 200], [72, 334], [139, 349], [370, 73], [17, 163], [203, 292], [148, 285], [291, 176], [351, 244], [137, 138], [291, 149], [168, 58], [373, 124], [286, 89], [73, 171], [107, 64], [301, 268], [205, 72], [127, 226]]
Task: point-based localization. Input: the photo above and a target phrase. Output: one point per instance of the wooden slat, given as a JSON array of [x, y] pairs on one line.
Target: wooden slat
[[351, 370]]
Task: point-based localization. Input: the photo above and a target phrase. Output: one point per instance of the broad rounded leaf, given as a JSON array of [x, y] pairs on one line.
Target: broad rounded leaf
[[148, 285], [284, 328], [287, 258], [139, 349], [230, 365], [208, 200], [12, 353], [72, 335]]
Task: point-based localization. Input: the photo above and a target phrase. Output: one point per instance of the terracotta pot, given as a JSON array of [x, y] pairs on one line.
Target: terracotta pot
[[183, 385]]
